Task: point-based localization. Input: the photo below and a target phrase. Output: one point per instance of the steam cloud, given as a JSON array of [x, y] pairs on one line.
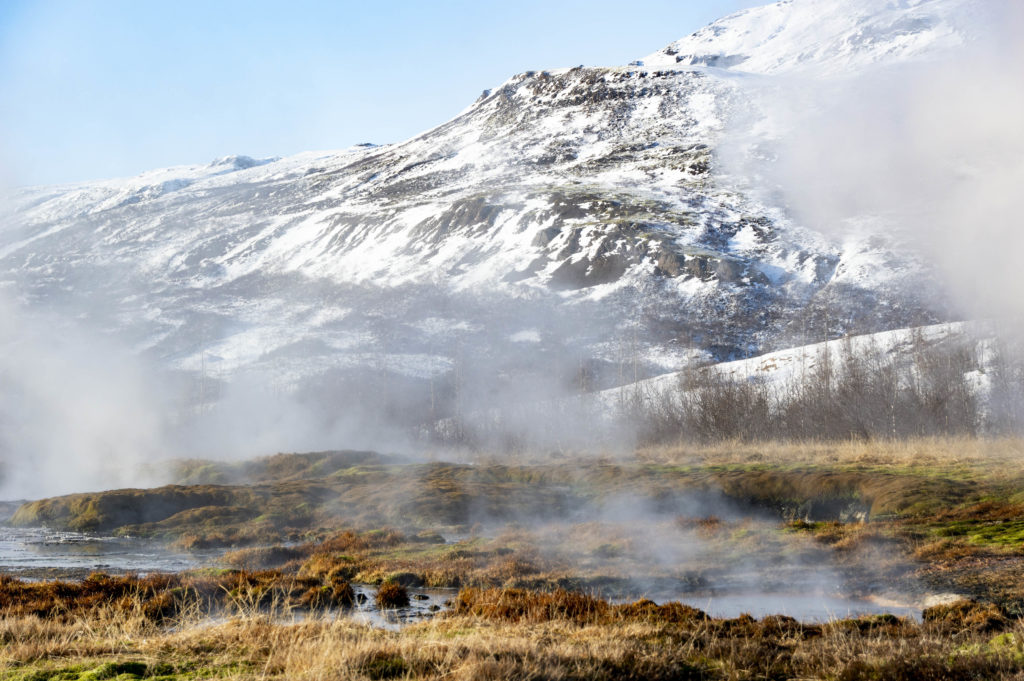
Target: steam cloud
[[76, 411], [81, 409], [930, 153]]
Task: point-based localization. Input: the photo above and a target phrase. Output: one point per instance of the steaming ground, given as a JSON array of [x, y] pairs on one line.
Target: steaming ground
[[805, 530], [690, 330], [77, 410], [80, 417]]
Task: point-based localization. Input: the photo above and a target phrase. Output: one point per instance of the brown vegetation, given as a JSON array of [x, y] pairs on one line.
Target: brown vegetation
[[785, 480], [161, 597], [517, 605], [510, 635], [943, 513], [392, 595]]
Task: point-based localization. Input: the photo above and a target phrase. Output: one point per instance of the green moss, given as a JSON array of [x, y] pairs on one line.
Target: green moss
[[1005, 645], [362, 489], [993, 533], [121, 671], [385, 667], [1006, 641], [72, 672], [124, 671], [116, 670], [204, 474]]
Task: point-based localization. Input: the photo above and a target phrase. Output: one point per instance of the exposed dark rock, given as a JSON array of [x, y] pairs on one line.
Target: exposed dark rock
[[585, 273], [545, 236], [669, 264], [729, 271]]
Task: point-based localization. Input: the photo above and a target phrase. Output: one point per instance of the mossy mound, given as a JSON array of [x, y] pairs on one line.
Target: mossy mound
[[107, 511]]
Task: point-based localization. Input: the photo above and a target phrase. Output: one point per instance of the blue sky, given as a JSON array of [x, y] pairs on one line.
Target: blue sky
[[106, 88]]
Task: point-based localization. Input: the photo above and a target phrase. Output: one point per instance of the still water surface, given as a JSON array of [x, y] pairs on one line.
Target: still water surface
[[38, 553]]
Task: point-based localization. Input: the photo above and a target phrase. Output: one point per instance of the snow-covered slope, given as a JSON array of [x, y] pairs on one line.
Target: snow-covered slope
[[826, 37], [792, 366], [567, 224]]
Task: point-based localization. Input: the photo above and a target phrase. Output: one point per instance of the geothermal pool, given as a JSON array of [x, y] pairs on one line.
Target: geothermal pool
[[804, 607]]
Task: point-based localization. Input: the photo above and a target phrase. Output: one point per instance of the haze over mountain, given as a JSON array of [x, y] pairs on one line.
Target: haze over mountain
[[571, 230]]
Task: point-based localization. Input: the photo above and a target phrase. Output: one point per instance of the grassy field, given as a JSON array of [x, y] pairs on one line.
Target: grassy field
[[526, 542]]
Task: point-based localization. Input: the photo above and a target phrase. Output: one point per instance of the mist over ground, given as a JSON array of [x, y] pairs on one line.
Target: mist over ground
[[82, 409], [711, 363], [75, 408]]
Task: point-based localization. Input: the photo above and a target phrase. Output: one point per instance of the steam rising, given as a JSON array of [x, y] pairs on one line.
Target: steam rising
[[76, 411], [930, 153], [81, 409]]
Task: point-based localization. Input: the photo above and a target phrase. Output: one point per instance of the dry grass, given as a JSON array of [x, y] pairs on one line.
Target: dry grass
[[513, 635], [452, 497], [392, 595], [160, 598], [987, 453]]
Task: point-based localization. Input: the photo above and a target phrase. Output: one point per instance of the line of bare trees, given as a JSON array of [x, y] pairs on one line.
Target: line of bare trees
[[953, 386]]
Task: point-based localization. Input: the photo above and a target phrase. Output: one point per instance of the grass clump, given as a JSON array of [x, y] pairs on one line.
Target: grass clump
[[384, 665], [392, 595], [967, 615]]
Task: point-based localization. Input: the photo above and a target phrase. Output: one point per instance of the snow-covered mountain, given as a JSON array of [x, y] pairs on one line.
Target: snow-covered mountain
[[572, 226]]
